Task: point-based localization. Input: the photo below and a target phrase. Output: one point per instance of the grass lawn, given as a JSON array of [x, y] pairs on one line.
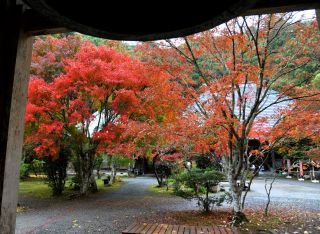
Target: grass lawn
[[102, 187], [39, 188], [35, 187], [161, 190]]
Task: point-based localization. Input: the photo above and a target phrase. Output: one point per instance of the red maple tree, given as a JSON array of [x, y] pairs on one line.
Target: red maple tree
[[231, 76], [98, 90]]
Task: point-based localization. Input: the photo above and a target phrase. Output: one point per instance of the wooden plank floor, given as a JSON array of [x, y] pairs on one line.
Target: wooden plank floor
[[139, 228]]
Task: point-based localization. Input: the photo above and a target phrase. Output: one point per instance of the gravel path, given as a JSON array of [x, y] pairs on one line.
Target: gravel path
[[113, 211], [303, 195], [109, 212]]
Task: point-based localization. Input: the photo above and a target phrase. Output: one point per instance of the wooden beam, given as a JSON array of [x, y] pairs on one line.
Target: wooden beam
[[15, 58], [318, 17], [280, 6], [35, 24]]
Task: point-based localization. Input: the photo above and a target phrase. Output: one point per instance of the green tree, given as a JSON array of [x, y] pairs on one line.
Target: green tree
[[197, 184]]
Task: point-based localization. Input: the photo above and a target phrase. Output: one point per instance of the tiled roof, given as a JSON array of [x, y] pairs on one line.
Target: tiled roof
[[272, 103]]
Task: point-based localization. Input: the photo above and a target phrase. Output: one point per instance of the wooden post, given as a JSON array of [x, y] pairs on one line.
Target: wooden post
[[289, 168], [300, 176], [15, 58], [318, 17]]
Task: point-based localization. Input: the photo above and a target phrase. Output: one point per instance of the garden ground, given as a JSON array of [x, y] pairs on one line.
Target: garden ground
[[295, 208]]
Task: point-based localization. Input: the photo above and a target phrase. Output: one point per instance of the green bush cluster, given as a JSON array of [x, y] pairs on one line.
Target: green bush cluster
[[24, 170], [198, 184]]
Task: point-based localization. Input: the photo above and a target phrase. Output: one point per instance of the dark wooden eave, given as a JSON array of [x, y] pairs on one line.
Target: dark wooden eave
[[36, 24], [143, 22], [280, 6]]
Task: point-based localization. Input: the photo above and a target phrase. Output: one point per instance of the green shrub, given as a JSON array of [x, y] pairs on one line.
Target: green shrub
[[75, 183], [197, 184], [36, 166], [24, 170]]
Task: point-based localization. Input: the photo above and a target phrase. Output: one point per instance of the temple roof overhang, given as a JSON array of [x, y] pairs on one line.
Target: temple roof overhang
[[139, 20]]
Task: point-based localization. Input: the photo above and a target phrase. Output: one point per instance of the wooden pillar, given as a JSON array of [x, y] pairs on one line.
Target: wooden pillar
[[318, 17], [15, 58]]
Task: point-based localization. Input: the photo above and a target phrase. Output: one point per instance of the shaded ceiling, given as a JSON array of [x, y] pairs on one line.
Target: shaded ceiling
[[135, 20]]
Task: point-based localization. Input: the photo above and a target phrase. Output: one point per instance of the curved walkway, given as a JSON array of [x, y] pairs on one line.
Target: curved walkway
[[109, 212]]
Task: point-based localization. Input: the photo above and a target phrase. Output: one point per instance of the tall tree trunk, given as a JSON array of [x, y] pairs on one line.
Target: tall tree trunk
[[206, 200], [84, 185], [159, 177], [113, 173], [87, 178], [236, 189], [98, 174], [84, 177], [92, 183]]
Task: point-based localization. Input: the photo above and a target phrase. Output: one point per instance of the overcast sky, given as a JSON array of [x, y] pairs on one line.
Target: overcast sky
[[309, 14]]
